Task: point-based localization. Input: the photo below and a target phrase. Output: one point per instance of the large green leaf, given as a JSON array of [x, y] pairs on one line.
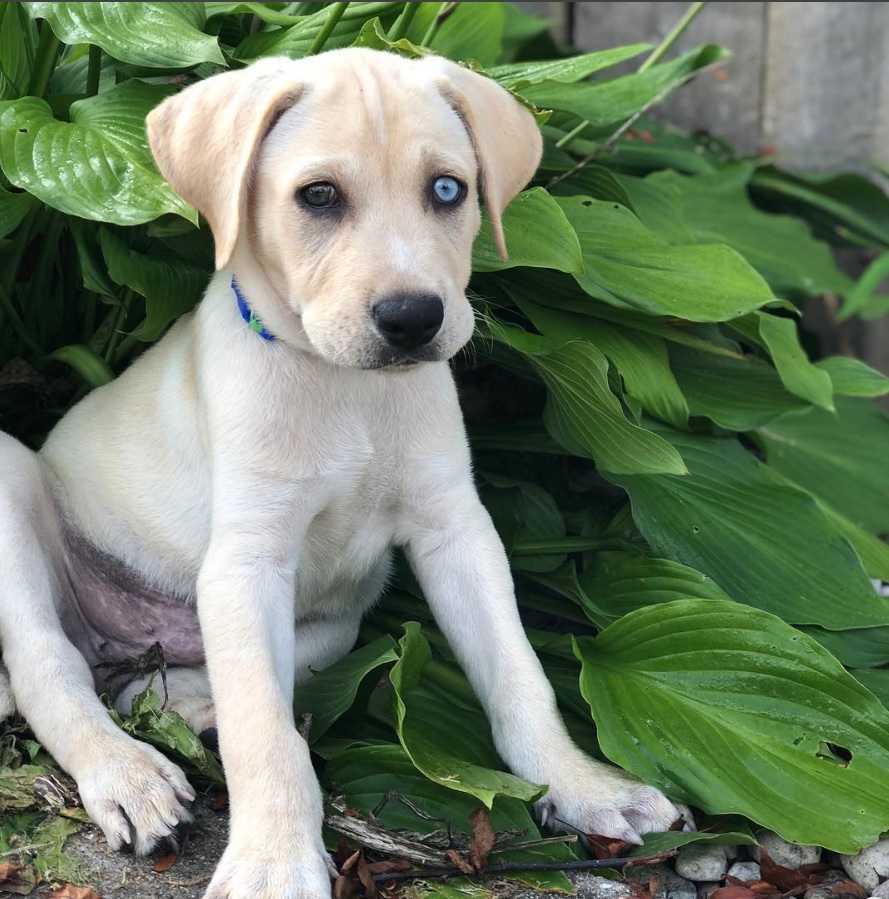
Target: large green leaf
[[873, 552], [736, 393], [658, 204], [170, 285], [523, 511], [780, 337], [841, 458], [98, 166], [852, 377], [717, 209], [875, 681], [621, 582], [449, 745], [161, 35], [517, 75], [582, 413], [469, 32], [765, 543], [734, 711], [629, 266], [330, 693], [858, 648], [18, 43], [640, 358], [604, 104], [844, 206], [296, 40], [652, 145], [537, 235], [13, 209]]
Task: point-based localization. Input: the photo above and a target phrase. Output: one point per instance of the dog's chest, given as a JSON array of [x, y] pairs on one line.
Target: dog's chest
[[348, 540]]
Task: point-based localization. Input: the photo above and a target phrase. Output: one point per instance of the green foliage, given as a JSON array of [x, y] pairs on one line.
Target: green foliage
[[664, 460]]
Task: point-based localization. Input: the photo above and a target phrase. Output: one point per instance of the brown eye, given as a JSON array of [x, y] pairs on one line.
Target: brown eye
[[322, 195]]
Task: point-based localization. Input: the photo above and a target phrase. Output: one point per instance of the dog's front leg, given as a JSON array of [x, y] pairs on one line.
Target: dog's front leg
[[246, 607], [461, 564]]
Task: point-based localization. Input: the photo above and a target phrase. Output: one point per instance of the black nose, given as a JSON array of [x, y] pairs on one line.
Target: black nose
[[409, 320]]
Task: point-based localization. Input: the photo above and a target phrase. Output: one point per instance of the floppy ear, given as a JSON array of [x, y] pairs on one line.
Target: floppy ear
[[504, 134], [205, 139]]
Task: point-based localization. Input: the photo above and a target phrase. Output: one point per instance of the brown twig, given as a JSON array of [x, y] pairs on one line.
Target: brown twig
[[516, 867]]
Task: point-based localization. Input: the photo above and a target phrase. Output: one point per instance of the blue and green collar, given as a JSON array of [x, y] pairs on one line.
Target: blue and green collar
[[254, 322]]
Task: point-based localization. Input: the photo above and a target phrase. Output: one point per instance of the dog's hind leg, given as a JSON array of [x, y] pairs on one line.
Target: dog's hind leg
[[7, 700], [129, 789], [187, 693]]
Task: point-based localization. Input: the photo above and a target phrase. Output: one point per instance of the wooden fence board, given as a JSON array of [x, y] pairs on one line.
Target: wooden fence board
[[727, 102]]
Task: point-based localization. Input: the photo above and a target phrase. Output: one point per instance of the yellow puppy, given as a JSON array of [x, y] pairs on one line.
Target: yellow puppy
[[236, 493]]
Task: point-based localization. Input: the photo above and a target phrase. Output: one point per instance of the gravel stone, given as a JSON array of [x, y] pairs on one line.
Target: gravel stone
[[592, 886], [672, 886], [789, 855], [707, 889], [700, 861], [869, 866], [882, 891], [746, 871]]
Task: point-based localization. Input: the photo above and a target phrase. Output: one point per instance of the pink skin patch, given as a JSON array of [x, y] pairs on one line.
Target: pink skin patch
[[112, 616]]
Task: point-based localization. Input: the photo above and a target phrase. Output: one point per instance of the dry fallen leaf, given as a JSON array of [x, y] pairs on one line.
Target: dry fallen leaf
[[643, 891], [347, 864], [344, 888], [389, 865], [8, 870], [366, 878], [70, 891], [459, 862], [607, 847], [733, 892], [483, 838], [165, 862], [789, 881]]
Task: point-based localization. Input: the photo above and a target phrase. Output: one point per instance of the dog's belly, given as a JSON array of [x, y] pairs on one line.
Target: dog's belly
[[113, 615]]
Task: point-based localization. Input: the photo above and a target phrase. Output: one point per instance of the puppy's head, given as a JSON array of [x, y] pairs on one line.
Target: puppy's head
[[351, 180]]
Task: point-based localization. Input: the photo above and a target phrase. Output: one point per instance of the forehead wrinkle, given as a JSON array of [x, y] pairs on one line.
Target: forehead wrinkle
[[372, 103]]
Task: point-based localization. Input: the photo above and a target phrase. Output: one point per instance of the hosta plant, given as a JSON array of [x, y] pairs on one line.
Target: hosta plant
[[691, 497]]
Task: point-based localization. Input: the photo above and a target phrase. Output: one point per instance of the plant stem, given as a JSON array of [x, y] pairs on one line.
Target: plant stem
[[562, 545], [402, 23], [656, 56], [94, 70], [17, 251], [566, 139], [119, 321], [48, 49], [658, 53], [444, 11], [336, 13], [124, 349], [18, 325]]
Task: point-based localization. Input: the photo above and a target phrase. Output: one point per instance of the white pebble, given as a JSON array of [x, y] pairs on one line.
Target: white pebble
[[869, 866], [700, 861], [746, 871], [788, 855]]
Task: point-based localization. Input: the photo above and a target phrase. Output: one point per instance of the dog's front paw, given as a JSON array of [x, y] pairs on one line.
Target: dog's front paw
[[136, 796], [596, 798], [243, 875]]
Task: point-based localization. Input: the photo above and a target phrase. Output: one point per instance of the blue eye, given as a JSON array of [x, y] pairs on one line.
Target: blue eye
[[447, 191]]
